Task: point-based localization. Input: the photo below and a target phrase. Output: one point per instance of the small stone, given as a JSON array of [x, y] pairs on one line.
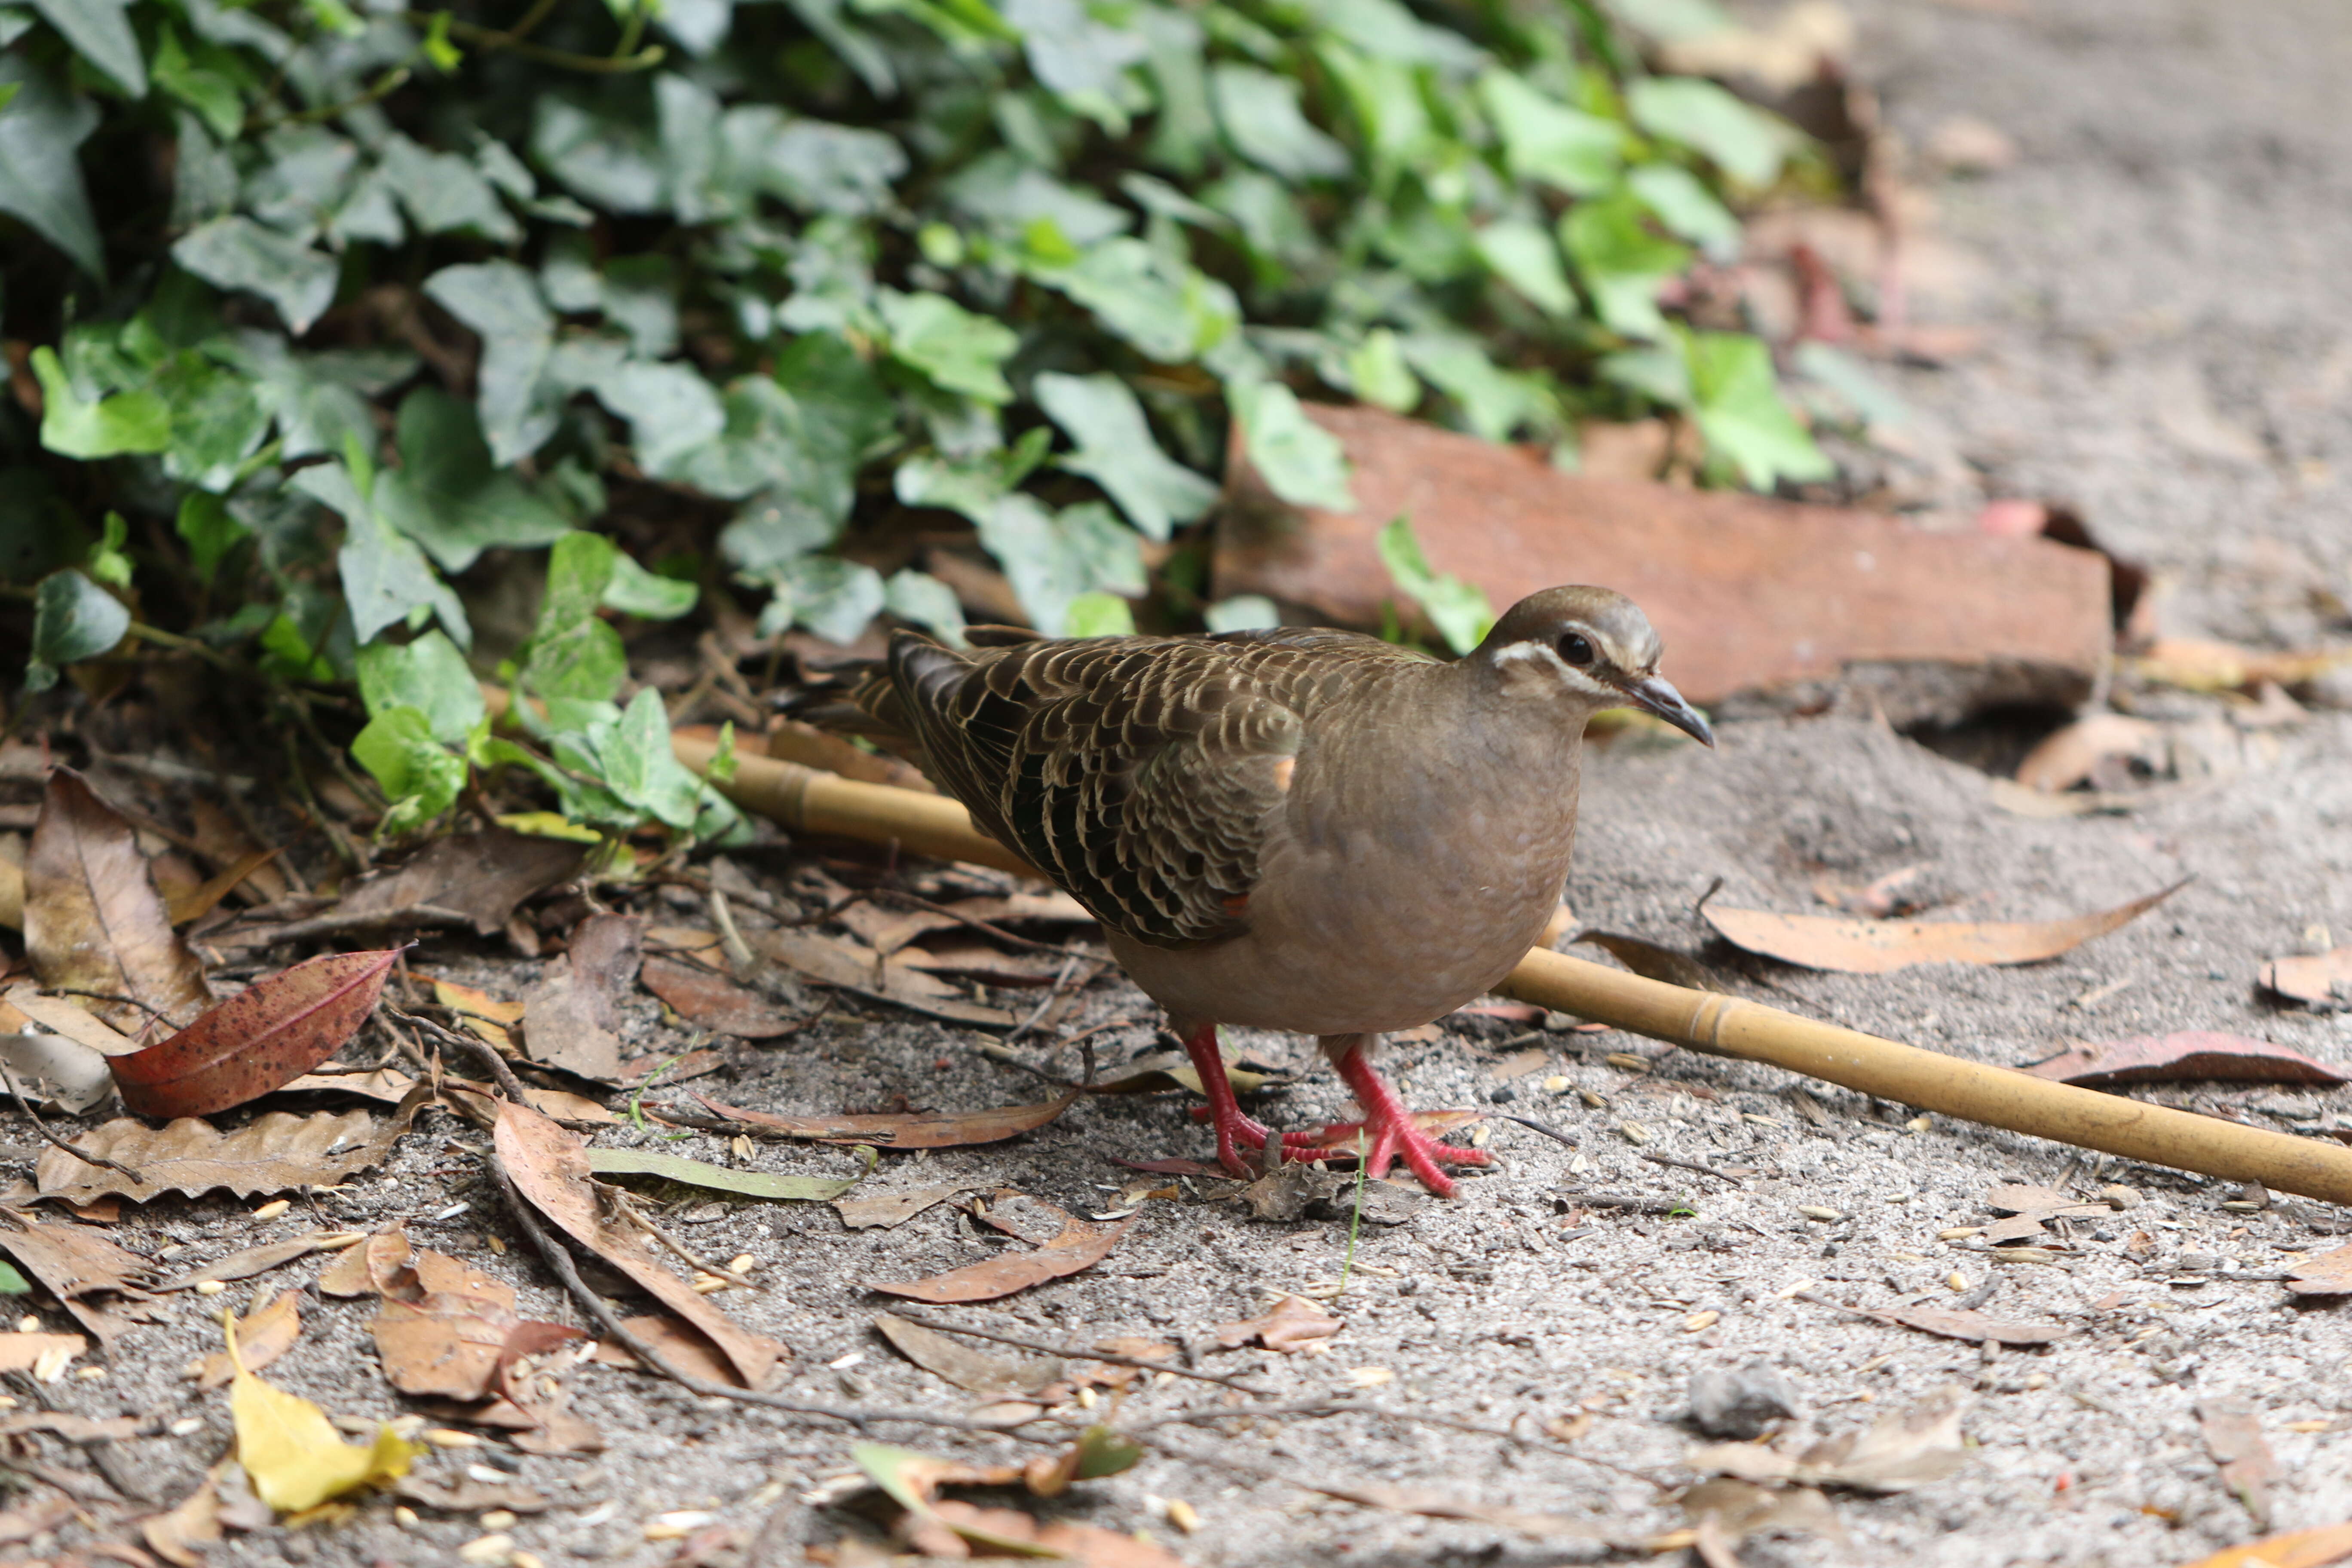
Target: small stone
[[1742, 1405], [1823, 1215], [2120, 1196], [1556, 1084], [1502, 1095]]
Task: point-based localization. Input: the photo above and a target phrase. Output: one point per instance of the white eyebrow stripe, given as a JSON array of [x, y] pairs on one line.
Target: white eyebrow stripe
[[1565, 670]]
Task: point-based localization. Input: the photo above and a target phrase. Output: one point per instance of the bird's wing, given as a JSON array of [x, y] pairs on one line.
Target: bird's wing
[[1139, 772]]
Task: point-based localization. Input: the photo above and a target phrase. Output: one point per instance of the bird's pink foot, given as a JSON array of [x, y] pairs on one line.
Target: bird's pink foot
[[1235, 1131], [1389, 1131]]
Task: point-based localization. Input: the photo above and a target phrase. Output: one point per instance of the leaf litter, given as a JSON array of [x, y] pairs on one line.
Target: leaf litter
[[1901, 1451], [274, 1152], [1881, 947], [260, 1039], [907, 1129], [93, 920], [1076, 1245], [292, 1451], [2192, 1056], [570, 1017]]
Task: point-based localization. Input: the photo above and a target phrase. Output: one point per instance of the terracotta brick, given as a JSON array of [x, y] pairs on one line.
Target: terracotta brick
[[1750, 594]]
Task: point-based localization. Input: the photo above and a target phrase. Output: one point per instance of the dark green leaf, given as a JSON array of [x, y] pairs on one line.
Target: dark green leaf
[[836, 599], [99, 31], [429, 676], [204, 521], [957, 350], [720, 1179], [239, 254], [73, 619], [1261, 119], [446, 495], [1457, 609], [640, 767], [518, 402], [386, 579], [1688, 208], [1621, 263], [419, 775], [925, 600], [573, 652], [444, 193], [633, 591], [1070, 50], [1117, 451], [1525, 255], [11, 1282], [1547, 140]]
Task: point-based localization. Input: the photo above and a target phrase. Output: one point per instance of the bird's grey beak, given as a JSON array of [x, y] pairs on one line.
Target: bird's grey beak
[[1656, 694]]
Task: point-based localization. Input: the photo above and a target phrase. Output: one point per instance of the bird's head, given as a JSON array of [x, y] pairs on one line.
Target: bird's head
[[1593, 647]]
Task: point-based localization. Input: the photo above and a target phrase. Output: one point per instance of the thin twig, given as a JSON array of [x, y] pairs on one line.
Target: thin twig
[[1068, 1353], [148, 1008], [340, 923], [43, 1129], [985, 928], [1694, 1166], [509, 1085], [1529, 1122], [609, 1322], [1053, 994], [108, 1458]]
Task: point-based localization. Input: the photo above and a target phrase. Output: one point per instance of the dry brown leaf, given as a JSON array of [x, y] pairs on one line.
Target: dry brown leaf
[[23, 1352], [274, 1152], [2329, 1274], [262, 1336], [676, 1344], [531, 1378], [467, 1494], [480, 1012], [370, 1268], [59, 1071], [1078, 1244], [1954, 1323], [2322, 979], [2192, 1056], [979, 962], [1433, 1504], [198, 902], [1740, 1510], [2202, 665], [1651, 962], [550, 1167], [222, 841], [1879, 947], [571, 1013], [195, 1521], [1295, 1323], [911, 1130], [887, 932], [847, 966], [964, 1363], [714, 1002], [253, 1260], [1023, 1536], [95, 1280], [1901, 1451], [92, 919], [2289, 1549], [482, 876], [442, 1326], [71, 1427], [885, 1210], [2066, 759], [2233, 1435], [35, 1518], [72, 1020]]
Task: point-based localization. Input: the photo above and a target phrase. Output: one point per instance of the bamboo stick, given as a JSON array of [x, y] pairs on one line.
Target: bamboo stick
[[807, 800]]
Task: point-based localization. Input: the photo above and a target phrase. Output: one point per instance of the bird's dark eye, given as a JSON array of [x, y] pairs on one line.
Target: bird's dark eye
[[1576, 649]]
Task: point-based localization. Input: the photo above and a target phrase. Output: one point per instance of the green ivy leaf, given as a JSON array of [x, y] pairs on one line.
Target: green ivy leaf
[[1378, 375], [573, 652], [99, 31], [40, 169], [633, 591], [916, 597], [1261, 119], [518, 403], [73, 619], [210, 530], [1688, 208], [1738, 405], [1525, 255], [1544, 140], [1169, 309], [73, 426], [1116, 450], [237, 253], [958, 351], [1098, 615], [641, 769], [446, 496], [1621, 263], [419, 775], [211, 94], [1457, 609], [836, 599], [444, 192], [427, 676], [386, 579], [1241, 613], [1299, 460], [1742, 140]]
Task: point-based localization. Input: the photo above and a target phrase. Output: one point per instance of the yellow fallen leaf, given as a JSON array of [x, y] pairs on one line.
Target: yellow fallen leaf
[[292, 1453], [550, 825]]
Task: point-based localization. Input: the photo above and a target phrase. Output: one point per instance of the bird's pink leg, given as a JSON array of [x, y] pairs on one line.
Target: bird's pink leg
[[1388, 1124], [1224, 1111]]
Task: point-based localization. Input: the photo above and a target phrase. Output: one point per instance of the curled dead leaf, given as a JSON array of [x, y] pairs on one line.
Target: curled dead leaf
[[1080, 1244], [1879, 947], [276, 1153], [2322, 979], [2194, 1056], [1294, 1323], [262, 1336], [93, 920]]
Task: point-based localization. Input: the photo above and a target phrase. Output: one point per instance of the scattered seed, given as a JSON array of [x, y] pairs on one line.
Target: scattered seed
[[1959, 1233], [1085, 1399], [501, 1249], [1627, 1061], [742, 1147], [676, 1526], [29, 1324], [1791, 1293], [488, 1548], [1479, 1136], [1956, 1280], [1760, 1120], [742, 1263], [186, 1425], [1815, 1212], [444, 1438], [336, 1240], [452, 1211], [845, 1362], [1918, 1124], [1700, 1321], [2024, 1254], [91, 1373], [404, 1517], [1183, 1515], [1322, 1290], [497, 1519], [1635, 1132], [708, 1284], [51, 1367], [1371, 1376], [210, 1287], [2240, 1205], [1591, 1100], [2308, 1425], [526, 1559], [489, 1474], [1556, 1084], [273, 1208], [7, 1402]]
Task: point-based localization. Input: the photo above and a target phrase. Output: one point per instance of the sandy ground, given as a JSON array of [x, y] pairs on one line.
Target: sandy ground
[[2169, 348]]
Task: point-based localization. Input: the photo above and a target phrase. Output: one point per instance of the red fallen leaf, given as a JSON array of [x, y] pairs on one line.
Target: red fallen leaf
[[913, 1130], [271, 1034], [2317, 978], [2192, 1056]]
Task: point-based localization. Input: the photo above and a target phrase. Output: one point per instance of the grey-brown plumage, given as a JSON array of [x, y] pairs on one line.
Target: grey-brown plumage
[[1295, 829]]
